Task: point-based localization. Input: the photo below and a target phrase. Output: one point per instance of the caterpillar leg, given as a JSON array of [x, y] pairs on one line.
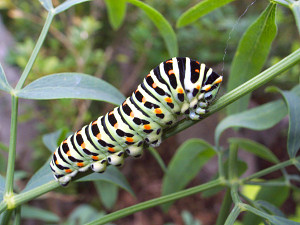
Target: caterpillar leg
[[135, 151], [116, 159], [99, 166]]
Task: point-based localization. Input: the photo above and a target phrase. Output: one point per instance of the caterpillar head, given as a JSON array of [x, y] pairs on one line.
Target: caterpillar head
[[211, 88]]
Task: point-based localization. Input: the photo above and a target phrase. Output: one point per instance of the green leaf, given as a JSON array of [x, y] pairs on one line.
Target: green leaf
[[50, 140], [251, 54], [3, 147], [29, 212], [116, 12], [273, 194], [241, 168], [202, 8], [42, 176], [4, 85], [112, 175], [83, 214], [71, 85], [270, 208], [108, 193], [185, 165], [2, 187], [255, 148], [67, 4], [47, 4], [259, 118], [162, 25], [282, 221], [293, 104], [295, 7]]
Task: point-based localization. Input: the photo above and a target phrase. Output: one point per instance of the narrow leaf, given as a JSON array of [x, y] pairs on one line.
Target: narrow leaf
[[108, 193], [116, 12], [29, 212], [270, 208], [2, 187], [162, 25], [202, 8], [50, 140], [255, 148], [42, 176], [4, 85], [47, 4], [112, 175], [185, 165], [293, 103], [83, 214], [282, 221], [71, 85], [67, 4], [251, 54]]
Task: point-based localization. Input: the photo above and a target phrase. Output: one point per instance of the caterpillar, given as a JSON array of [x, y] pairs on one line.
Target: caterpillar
[[178, 86]]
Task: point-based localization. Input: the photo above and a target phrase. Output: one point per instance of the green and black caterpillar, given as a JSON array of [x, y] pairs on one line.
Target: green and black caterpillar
[[178, 86]]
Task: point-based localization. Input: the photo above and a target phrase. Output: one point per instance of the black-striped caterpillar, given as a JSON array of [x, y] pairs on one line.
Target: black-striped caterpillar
[[178, 86]]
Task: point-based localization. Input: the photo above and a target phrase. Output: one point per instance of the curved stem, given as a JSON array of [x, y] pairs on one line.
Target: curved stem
[[35, 50], [154, 202]]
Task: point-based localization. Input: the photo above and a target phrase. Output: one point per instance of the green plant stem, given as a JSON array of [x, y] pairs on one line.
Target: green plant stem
[[240, 91], [269, 170], [225, 208], [154, 202], [36, 50], [12, 148], [6, 217], [3, 206], [158, 159], [221, 165], [233, 215]]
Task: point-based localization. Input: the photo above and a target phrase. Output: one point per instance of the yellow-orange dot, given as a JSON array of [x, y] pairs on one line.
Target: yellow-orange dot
[[79, 132], [154, 85], [219, 80], [207, 88], [116, 125], [110, 113], [147, 127], [171, 72], [124, 103], [68, 170], [131, 114], [99, 136], [158, 111], [95, 157], [56, 162], [198, 87], [180, 90], [129, 139], [148, 75], [196, 70], [80, 164], [169, 61], [111, 149], [95, 122], [197, 62], [82, 146], [65, 141], [168, 99], [69, 153], [143, 99]]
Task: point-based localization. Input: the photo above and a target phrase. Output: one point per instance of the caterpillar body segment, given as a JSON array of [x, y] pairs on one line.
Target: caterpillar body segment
[[178, 86]]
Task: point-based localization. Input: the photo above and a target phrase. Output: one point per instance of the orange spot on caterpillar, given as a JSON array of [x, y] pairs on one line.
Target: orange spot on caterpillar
[[147, 127], [180, 90], [171, 72], [198, 87], [197, 62], [110, 113], [116, 125], [82, 146], [148, 75], [169, 61], [98, 136], [158, 111], [111, 149], [124, 103], [95, 157], [68, 170], [207, 88], [95, 122], [143, 99], [80, 164], [68, 153], [219, 80], [56, 162], [65, 141], [129, 139], [154, 85], [78, 132], [168, 99], [131, 114], [197, 71]]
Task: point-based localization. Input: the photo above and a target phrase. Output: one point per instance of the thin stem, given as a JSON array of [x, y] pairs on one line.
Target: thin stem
[[5, 218], [154, 202], [3, 206], [221, 165], [225, 208], [233, 215], [35, 50], [240, 91], [158, 159], [235, 194], [269, 170], [12, 147], [232, 162]]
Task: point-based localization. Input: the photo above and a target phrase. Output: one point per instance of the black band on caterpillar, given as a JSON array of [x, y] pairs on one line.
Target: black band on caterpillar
[[178, 86]]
